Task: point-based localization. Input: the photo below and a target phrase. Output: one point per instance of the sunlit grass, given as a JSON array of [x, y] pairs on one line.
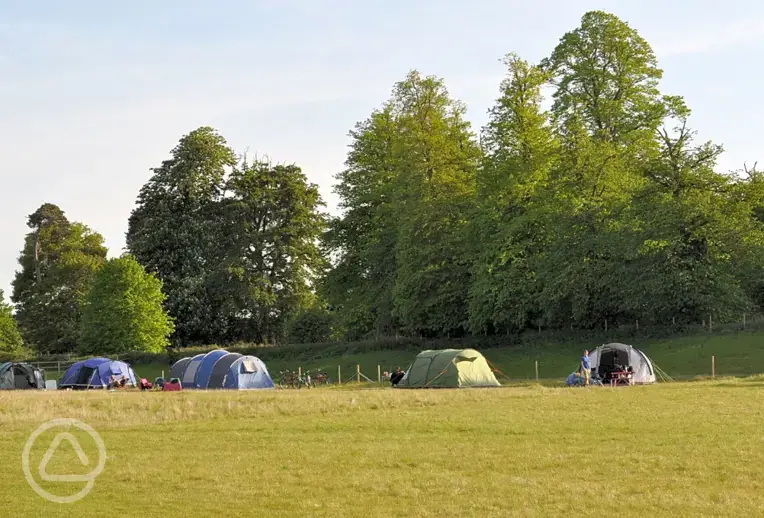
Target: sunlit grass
[[674, 449]]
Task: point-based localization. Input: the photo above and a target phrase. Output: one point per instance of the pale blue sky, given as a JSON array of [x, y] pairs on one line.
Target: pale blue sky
[[94, 93]]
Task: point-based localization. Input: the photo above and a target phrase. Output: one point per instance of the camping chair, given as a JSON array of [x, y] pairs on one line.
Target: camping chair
[[145, 384]]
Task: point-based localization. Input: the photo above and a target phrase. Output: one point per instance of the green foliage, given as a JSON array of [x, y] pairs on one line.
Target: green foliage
[[406, 192], [512, 206], [10, 337], [360, 286], [58, 262], [272, 255], [310, 326], [175, 230], [235, 244], [123, 311], [603, 208]]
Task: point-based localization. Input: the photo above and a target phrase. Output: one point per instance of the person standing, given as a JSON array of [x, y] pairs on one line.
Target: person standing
[[586, 370]]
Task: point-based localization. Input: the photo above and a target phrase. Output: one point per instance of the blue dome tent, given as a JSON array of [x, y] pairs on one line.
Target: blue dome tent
[[220, 369], [96, 373]]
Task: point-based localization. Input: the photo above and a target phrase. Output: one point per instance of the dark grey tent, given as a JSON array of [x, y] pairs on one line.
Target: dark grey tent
[[21, 376], [178, 368]]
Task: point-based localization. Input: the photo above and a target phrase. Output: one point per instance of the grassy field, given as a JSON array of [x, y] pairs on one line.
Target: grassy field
[[677, 449]]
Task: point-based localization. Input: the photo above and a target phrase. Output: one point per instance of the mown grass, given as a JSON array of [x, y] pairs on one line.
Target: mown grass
[[682, 449]]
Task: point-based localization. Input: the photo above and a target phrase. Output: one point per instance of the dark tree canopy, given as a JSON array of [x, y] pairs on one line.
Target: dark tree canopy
[[58, 262], [234, 243]]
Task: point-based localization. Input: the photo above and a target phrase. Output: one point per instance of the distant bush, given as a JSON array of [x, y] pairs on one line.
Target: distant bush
[[310, 326]]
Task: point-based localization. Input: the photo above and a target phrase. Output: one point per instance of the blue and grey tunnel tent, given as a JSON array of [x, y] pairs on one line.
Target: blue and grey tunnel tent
[[220, 369], [17, 376], [205, 368]]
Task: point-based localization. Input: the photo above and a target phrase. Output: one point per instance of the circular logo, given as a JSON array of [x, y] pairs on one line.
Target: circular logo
[[88, 478]]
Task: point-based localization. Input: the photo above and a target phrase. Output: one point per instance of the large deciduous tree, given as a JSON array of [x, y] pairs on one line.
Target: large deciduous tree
[[272, 256], [175, 232], [405, 192], [360, 285], [123, 311], [512, 201], [236, 244], [58, 262]]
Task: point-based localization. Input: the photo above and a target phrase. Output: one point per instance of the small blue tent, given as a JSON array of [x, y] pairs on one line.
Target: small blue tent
[[220, 369], [96, 373]]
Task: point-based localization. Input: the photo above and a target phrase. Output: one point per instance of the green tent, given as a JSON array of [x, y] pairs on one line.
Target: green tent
[[449, 368]]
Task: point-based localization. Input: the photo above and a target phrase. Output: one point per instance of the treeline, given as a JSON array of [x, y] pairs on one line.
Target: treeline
[[602, 206], [585, 198]]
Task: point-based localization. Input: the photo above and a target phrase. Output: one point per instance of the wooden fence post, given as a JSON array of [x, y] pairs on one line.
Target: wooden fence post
[[606, 325], [743, 321], [710, 324], [339, 376], [299, 372], [358, 373], [637, 325], [379, 374], [537, 371], [713, 366]]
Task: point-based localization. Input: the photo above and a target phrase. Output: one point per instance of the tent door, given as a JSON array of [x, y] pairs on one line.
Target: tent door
[[84, 376], [609, 358], [21, 379]]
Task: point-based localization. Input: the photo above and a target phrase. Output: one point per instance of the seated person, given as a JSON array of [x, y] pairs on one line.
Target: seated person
[[113, 382], [123, 381], [396, 376]]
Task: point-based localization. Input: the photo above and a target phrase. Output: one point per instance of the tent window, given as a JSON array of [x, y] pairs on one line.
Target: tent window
[[115, 369], [248, 366]]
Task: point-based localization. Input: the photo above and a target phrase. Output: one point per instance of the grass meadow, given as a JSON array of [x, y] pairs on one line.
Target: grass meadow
[[673, 449]]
